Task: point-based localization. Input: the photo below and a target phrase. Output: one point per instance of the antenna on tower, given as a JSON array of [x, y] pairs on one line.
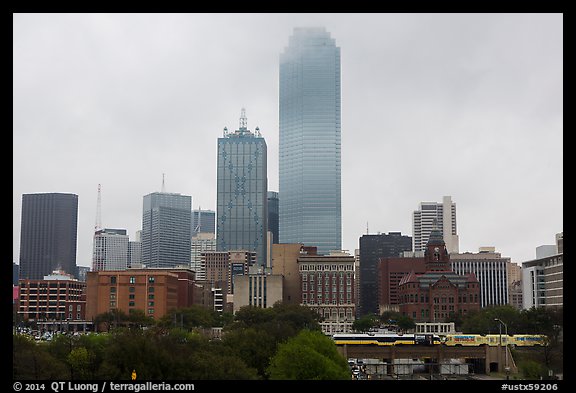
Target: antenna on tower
[[98, 224], [163, 186], [367, 232], [243, 119], [197, 229]]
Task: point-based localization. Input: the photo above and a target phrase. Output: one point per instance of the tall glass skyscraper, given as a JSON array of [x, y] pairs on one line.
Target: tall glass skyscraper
[[48, 234], [242, 208], [273, 223], [166, 230], [310, 175]]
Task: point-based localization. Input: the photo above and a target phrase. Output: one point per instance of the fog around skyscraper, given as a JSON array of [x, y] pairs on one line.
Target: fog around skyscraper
[[465, 105]]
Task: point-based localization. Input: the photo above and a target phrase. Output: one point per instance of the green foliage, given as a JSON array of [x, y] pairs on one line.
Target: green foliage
[[365, 323], [308, 356], [254, 346], [539, 320], [191, 317], [32, 361], [79, 361], [531, 369]]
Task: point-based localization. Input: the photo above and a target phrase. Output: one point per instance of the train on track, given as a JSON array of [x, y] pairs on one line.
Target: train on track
[[453, 340]]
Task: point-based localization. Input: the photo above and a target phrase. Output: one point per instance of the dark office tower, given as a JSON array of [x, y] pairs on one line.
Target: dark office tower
[[166, 223], [242, 205], [309, 145], [48, 234], [273, 216], [372, 248], [203, 221]]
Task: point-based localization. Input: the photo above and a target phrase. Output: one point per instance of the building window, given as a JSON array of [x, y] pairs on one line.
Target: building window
[[112, 289], [131, 296], [150, 311], [132, 280], [151, 296], [112, 304], [151, 279], [131, 289], [112, 279], [151, 304], [150, 289], [130, 304]]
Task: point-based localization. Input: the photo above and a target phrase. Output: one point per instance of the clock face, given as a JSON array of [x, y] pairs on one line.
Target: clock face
[[436, 249]]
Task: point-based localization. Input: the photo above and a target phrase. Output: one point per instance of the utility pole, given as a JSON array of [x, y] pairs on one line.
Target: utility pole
[[506, 333]]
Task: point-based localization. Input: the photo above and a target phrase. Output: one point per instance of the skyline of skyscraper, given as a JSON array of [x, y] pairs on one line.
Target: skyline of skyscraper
[[372, 248], [166, 230], [203, 221], [48, 234], [430, 214], [273, 221], [242, 187], [110, 250], [309, 141]]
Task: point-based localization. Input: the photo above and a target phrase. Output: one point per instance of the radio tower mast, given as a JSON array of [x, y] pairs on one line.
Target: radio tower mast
[[98, 224], [163, 186]]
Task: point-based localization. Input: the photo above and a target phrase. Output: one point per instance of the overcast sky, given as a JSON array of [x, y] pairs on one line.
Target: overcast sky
[[465, 105]]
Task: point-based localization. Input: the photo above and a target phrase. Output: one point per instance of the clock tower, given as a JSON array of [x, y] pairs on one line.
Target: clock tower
[[436, 256]]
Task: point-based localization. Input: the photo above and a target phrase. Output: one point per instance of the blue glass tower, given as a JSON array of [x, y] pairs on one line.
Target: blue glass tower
[[166, 222], [310, 175], [242, 208]]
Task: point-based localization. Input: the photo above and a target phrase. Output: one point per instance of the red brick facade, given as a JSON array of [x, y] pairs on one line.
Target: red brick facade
[[439, 294]]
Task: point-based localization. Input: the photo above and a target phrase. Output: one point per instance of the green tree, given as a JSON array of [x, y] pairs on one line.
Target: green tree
[[79, 361], [190, 318], [365, 323], [254, 346], [31, 361], [310, 355]]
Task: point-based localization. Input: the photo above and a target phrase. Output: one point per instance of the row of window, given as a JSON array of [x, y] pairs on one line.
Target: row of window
[[326, 287], [331, 267], [131, 280], [413, 298]]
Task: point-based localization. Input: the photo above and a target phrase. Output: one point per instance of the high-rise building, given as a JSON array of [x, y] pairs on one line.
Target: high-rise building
[[543, 279], [491, 270], [242, 212], [201, 242], [309, 144], [166, 224], [15, 273], [372, 248], [430, 214], [134, 254], [110, 251], [203, 221], [48, 234], [273, 221], [327, 285]]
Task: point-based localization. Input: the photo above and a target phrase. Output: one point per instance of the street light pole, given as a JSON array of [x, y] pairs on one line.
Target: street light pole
[[506, 333]]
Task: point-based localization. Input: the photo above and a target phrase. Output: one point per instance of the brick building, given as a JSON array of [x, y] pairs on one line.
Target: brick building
[[154, 291], [438, 294], [390, 272], [327, 286], [56, 300]]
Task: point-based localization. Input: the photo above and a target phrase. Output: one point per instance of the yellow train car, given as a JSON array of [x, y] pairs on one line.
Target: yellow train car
[[494, 340], [464, 340], [380, 339], [530, 340]]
